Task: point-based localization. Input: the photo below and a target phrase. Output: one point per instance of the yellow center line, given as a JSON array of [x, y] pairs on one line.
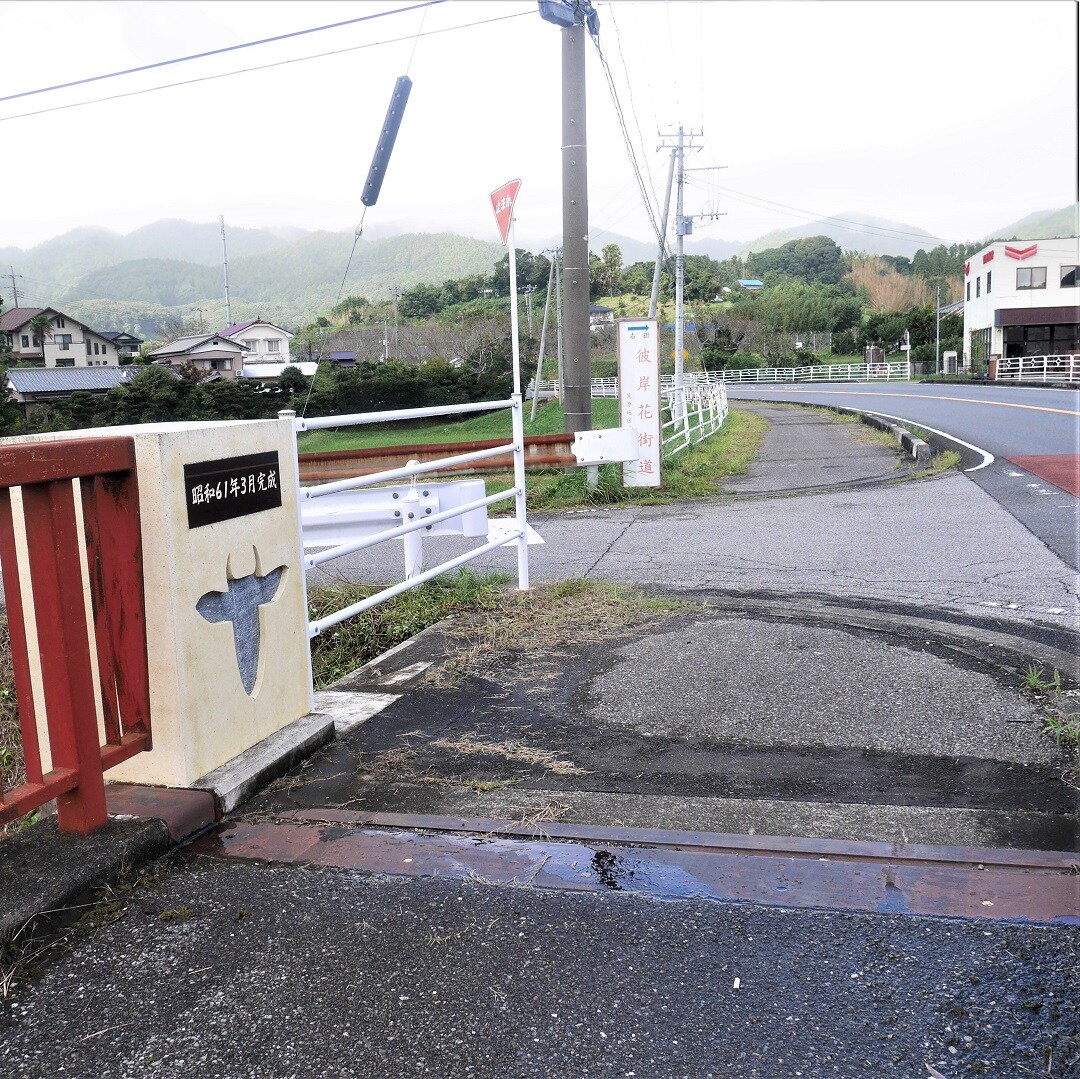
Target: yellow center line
[[935, 397]]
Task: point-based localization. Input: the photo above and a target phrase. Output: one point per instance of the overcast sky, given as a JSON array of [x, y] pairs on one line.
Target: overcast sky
[[955, 117]]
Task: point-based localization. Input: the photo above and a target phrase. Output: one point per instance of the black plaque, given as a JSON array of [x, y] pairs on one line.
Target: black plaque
[[232, 487]]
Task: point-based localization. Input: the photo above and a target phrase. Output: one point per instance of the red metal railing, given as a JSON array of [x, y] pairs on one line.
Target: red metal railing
[[108, 504]]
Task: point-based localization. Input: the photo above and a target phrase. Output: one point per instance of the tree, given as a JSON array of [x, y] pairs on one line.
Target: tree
[[41, 327], [291, 381], [610, 269]]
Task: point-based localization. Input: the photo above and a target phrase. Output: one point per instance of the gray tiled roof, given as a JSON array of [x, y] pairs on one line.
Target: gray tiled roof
[[69, 379]]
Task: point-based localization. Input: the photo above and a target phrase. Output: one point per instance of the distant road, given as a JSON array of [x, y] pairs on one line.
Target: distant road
[[1021, 445]]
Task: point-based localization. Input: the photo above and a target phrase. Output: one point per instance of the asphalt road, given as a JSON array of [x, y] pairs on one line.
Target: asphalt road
[[1005, 421], [1020, 445]]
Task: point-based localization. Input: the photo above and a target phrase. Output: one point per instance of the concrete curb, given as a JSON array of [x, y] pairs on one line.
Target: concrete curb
[[919, 451]]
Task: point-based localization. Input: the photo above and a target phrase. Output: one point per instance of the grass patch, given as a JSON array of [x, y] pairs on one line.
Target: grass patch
[[339, 650], [536, 628], [694, 473], [486, 425]]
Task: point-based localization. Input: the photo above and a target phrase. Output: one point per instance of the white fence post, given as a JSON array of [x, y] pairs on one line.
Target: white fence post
[[518, 428]]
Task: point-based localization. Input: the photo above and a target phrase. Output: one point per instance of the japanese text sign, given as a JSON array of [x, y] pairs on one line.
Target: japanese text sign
[[502, 202], [233, 487], [639, 397]]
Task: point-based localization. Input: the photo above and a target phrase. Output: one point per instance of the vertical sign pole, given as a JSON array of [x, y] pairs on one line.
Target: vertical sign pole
[[514, 343]]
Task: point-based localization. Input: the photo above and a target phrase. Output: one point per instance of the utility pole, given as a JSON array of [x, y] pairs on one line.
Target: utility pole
[[14, 289], [395, 292], [529, 290], [937, 332], [573, 16], [225, 266], [385, 338], [684, 226]]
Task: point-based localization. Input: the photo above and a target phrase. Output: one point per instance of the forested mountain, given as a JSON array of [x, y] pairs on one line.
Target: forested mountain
[[171, 271]]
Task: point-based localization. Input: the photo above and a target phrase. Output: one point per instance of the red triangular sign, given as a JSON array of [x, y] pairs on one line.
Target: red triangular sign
[[502, 202]]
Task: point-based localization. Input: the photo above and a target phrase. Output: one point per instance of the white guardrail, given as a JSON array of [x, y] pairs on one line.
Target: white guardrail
[[1061, 368], [406, 516], [891, 371], [690, 414]]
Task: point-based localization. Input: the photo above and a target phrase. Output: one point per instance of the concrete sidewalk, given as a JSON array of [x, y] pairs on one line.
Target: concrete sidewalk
[[843, 665]]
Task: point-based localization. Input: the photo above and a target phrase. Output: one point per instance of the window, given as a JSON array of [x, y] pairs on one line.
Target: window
[[97, 351], [104, 349], [63, 341], [1031, 277], [1068, 277], [59, 323], [968, 291], [88, 348], [988, 273], [253, 345], [978, 287], [26, 341], [273, 346]]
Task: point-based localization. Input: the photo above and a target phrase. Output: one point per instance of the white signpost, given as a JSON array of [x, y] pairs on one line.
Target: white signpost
[[639, 397]]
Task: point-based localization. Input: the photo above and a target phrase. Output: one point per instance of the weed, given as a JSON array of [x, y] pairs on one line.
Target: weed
[[179, 914], [1036, 681], [1062, 725]]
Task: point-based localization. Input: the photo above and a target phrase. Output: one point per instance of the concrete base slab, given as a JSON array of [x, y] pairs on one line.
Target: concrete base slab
[[350, 709], [241, 777]]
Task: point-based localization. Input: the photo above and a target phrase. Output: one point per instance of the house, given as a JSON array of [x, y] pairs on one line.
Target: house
[[750, 284], [67, 342], [600, 315], [127, 344], [208, 353], [265, 342], [1022, 298], [35, 387]]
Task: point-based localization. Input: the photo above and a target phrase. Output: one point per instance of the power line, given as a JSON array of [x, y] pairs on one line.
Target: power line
[[260, 67], [626, 141], [219, 52], [794, 211]]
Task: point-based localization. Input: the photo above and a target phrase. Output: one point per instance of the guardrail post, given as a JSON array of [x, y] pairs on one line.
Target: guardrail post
[[518, 428]]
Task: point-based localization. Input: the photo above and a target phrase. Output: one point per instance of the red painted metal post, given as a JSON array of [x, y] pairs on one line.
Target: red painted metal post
[[114, 557], [64, 643]]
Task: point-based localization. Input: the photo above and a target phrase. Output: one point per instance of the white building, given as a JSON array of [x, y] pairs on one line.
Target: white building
[[1022, 298], [265, 342]]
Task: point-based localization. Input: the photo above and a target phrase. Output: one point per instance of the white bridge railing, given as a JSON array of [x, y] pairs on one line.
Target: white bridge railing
[[890, 371], [407, 522], [1061, 368]]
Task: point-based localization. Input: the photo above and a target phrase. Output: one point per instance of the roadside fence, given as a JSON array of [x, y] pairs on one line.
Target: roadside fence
[[1060, 368], [409, 519]]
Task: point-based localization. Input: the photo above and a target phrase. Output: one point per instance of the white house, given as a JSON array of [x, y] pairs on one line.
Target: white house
[[265, 342], [67, 342], [209, 353], [1022, 298]]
